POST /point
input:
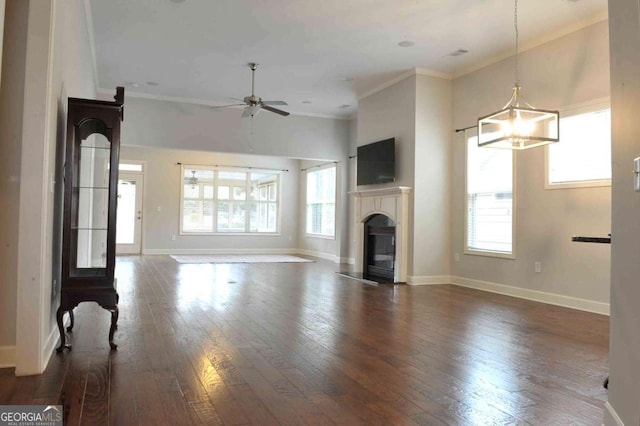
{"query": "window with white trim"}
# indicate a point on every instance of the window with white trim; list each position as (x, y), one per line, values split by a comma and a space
(321, 201)
(216, 200)
(489, 201)
(582, 157)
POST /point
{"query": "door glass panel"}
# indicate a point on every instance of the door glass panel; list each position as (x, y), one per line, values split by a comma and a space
(126, 215)
(92, 187)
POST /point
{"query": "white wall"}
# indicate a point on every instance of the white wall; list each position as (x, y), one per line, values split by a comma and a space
(11, 104)
(567, 71)
(162, 184)
(623, 406)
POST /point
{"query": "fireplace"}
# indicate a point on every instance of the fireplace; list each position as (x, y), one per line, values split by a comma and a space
(390, 236)
(379, 248)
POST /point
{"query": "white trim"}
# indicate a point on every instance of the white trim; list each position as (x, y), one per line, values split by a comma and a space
(595, 105)
(432, 73)
(386, 84)
(535, 295)
(206, 103)
(610, 414)
(321, 255)
(348, 260)
(514, 208)
(428, 279)
(409, 73)
(53, 339)
(548, 37)
(7, 356)
(381, 192)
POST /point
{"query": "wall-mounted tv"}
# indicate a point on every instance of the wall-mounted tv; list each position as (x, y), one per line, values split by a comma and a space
(376, 162)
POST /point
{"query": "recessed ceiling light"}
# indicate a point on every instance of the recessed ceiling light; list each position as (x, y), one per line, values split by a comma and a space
(347, 79)
(406, 43)
(132, 84)
(306, 102)
(152, 83)
(344, 106)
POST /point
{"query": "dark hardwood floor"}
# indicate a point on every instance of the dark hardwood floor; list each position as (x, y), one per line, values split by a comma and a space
(295, 343)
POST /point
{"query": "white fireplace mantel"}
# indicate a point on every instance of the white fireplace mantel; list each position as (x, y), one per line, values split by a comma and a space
(394, 203)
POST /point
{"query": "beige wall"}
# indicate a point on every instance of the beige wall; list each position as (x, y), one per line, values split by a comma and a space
(431, 185)
(623, 406)
(566, 71)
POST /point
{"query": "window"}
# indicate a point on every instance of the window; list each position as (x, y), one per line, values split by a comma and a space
(582, 157)
(321, 201)
(490, 221)
(228, 201)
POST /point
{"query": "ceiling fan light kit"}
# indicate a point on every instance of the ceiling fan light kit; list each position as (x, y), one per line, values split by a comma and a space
(253, 104)
(518, 127)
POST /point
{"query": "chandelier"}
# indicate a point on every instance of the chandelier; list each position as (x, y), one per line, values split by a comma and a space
(518, 125)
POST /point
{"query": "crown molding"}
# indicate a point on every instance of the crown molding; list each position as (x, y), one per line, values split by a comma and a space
(203, 102)
(409, 73)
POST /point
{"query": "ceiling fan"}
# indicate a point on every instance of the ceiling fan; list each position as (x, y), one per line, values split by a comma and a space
(253, 104)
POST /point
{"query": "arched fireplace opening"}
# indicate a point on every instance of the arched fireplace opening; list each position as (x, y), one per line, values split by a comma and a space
(379, 248)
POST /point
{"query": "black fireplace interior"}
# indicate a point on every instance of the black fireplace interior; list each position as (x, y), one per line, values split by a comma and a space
(379, 249)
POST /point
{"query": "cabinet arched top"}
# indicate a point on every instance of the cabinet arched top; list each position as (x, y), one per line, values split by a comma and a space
(89, 126)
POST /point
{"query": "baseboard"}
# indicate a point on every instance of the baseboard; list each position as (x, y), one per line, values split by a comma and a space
(7, 356)
(348, 260)
(611, 418)
(220, 251)
(535, 295)
(321, 255)
(428, 279)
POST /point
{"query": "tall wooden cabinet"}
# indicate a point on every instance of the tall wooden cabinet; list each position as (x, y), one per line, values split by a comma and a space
(90, 201)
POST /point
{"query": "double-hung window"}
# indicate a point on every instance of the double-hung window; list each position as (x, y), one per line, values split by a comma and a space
(489, 201)
(582, 157)
(216, 200)
(321, 201)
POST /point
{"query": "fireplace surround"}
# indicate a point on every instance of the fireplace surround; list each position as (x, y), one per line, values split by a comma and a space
(392, 202)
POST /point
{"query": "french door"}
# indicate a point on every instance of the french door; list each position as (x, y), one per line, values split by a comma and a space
(129, 213)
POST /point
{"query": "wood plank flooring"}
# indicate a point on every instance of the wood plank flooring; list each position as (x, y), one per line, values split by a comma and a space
(295, 343)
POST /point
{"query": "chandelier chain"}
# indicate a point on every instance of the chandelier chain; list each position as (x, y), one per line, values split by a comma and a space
(515, 24)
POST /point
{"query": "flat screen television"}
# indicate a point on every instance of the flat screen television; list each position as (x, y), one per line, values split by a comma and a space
(376, 162)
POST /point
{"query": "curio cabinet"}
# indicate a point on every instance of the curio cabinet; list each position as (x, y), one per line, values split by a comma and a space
(90, 201)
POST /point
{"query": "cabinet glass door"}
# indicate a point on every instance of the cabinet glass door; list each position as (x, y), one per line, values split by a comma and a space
(93, 202)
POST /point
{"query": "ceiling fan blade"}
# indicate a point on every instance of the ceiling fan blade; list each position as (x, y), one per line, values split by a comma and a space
(236, 99)
(274, 103)
(276, 110)
(225, 106)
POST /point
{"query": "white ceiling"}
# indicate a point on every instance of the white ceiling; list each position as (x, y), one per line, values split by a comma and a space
(328, 52)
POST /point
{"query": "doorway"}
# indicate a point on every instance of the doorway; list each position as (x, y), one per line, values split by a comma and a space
(129, 213)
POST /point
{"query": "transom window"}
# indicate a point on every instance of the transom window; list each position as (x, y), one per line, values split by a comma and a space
(228, 201)
(582, 157)
(321, 201)
(489, 201)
